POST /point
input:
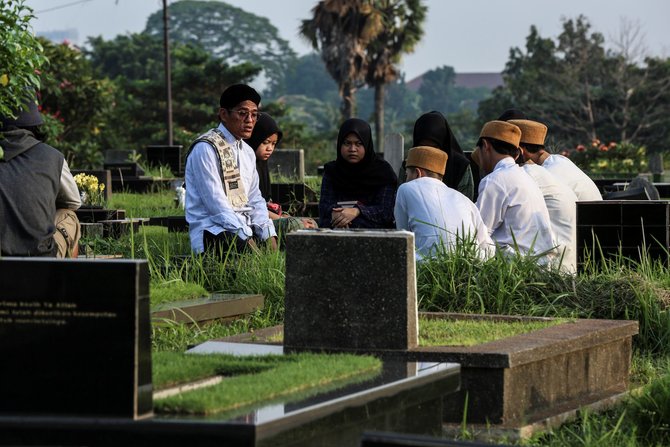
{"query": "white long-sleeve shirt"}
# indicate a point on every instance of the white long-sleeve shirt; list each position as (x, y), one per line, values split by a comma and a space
(208, 208)
(566, 171)
(561, 204)
(513, 209)
(439, 216)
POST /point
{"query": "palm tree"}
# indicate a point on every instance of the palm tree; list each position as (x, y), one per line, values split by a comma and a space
(402, 30)
(341, 30)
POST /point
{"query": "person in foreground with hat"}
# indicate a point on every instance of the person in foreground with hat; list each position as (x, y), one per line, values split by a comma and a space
(432, 129)
(563, 169)
(439, 216)
(510, 203)
(265, 137)
(559, 198)
(358, 188)
(38, 195)
(224, 206)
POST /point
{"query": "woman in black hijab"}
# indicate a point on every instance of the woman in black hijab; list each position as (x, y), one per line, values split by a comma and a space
(358, 188)
(265, 137)
(432, 129)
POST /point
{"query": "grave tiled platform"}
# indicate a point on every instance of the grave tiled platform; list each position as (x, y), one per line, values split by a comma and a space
(217, 307)
(406, 397)
(529, 382)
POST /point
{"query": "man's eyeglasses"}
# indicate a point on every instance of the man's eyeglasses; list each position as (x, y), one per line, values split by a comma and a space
(244, 113)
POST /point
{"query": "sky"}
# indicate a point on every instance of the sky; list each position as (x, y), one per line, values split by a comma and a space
(469, 35)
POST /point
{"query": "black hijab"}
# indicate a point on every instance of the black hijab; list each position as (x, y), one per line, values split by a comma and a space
(432, 129)
(366, 176)
(512, 114)
(265, 127)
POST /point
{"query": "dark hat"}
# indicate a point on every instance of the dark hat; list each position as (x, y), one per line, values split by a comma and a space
(29, 116)
(237, 93)
(512, 114)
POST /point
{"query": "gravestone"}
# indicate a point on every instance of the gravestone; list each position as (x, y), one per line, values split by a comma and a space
(75, 338)
(609, 227)
(656, 165)
(373, 271)
(288, 163)
(121, 155)
(164, 155)
(394, 150)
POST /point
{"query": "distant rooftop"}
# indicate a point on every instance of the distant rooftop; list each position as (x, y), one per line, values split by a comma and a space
(467, 80)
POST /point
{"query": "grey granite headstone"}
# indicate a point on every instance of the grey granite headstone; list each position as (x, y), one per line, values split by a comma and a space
(351, 290)
(394, 151)
(75, 338)
(288, 163)
(121, 155)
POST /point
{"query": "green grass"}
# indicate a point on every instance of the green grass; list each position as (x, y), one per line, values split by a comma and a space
(466, 332)
(294, 376)
(175, 290)
(154, 204)
(643, 419)
(448, 332)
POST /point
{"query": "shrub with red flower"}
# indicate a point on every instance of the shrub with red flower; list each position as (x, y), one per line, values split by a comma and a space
(599, 158)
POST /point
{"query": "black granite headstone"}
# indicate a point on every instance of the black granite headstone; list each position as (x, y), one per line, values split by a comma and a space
(75, 338)
(160, 155)
(352, 290)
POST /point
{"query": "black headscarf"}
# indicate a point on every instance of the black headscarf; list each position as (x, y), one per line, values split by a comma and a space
(432, 129)
(366, 176)
(265, 127)
(512, 114)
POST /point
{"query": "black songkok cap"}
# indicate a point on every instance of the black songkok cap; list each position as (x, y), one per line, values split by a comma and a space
(27, 117)
(237, 93)
(512, 114)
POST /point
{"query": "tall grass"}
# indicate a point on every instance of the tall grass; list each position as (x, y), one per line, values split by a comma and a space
(618, 288)
(154, 204)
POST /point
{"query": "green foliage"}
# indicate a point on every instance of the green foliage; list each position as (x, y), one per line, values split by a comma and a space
(436, 87)
(226, 33)
(135, 63)
(649, 411)
(306, 75)
(609, 158)
(21, 57)
(583, 92)
(72, 95)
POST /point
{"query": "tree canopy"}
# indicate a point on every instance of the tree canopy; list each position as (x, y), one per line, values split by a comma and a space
(21, 57)
(135, 63)
(227, 33)
(584, 92)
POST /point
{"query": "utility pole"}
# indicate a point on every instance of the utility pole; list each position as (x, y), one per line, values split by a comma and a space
(168, 75)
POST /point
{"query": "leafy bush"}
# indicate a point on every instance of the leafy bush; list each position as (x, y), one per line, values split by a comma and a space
(599, 157)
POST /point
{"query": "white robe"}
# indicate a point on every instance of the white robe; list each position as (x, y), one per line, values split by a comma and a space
(514, 211)
(560, 201)
(439, 216)
(566, 171)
